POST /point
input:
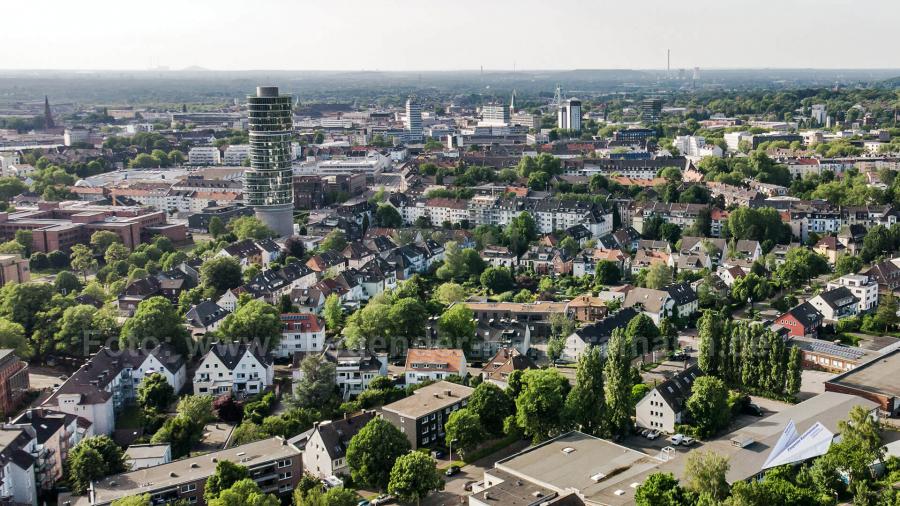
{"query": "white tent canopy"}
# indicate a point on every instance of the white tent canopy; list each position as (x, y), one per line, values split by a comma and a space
(793, 447)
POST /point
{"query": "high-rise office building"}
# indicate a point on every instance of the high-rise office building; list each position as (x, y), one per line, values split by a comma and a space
(651, 110)
(495, 115)
(413, 119)
(268, 185)
(569, 116)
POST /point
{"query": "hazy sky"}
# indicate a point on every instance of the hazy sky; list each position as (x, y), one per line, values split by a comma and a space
(447, 34)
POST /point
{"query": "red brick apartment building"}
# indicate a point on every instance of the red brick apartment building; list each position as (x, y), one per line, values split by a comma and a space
(59, 226)
(13, 381)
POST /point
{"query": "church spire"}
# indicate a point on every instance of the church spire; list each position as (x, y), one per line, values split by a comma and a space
(48, 116)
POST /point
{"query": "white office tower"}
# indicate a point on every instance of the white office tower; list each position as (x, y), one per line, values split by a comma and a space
(413, 119)
(268, 185)
(569, 117)
(495, 115)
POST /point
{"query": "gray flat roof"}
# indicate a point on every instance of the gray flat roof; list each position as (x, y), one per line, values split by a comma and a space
(879, 375)
(188, 470)
(429, 399)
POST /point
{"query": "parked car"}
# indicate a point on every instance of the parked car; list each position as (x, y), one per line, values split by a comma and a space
(687, 441)
(452, 470)
(753, 409)
(363, 503)
(653, 435)
(676, 439)
(645, 432)
(438, 454)
(382, 499)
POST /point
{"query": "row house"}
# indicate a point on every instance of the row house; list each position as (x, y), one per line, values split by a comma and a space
(683, 215)
(109, 380)
(249, 252)
(547, 260)
(235, 368)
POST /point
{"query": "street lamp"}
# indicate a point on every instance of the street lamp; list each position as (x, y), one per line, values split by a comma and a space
(451, 450)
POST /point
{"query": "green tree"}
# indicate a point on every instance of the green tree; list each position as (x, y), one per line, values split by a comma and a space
(413, 476)
(249, 227)
(25, 303)
(373, 451)
(227, 473)
(387, 216)
(334, 241)
(316, 386)
(333, 313)
(66, 283)
(216, 228)
(155, 320)
(491, 404)
(155, 393)
(660, 489)
(91, 459)
(101, 240)
(848, 264)
(116, 252)
(617, 383)
(196, 407)
(886, 313)
(12, 336)
(449, 293)
(709, 328)
(456, 326)
(640, 330)
(221, 273)
(794, 371)
(257, 322)
(708, 404)
(244, 493)
(705, 474)
(247, 432)
(408, 316)
(585, 402)
(540, 405)
(26, 239)
(497, 279)
(607, 273)
(133, 500)
(464, 428)
(182, 434)
(659, 276)
(81, 258)
(860, 444)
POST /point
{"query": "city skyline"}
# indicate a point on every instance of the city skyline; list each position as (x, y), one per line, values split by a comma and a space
(526, 35)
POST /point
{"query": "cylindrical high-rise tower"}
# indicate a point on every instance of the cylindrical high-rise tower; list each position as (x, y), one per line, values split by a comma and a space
(268, 185)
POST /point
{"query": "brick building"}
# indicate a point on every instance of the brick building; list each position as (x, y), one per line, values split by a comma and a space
(13, 381)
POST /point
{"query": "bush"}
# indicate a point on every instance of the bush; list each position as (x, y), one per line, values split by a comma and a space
(851, 324)
(39, 261)
(58, 259)
(227, 409)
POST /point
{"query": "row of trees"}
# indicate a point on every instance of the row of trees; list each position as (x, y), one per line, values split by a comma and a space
(748, 356)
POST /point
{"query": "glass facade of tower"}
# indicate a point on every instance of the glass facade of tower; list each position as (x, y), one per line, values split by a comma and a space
(269, 182)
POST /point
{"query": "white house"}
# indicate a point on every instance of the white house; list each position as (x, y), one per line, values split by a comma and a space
(303, 332)
(657, 304)
(233, 367)
(663, 407)
(110, 379)
(18, 446)
(863, 287)
(836, 303)
(325, 447)
(433, 364)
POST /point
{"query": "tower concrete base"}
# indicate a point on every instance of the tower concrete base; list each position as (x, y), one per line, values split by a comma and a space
(279, 219)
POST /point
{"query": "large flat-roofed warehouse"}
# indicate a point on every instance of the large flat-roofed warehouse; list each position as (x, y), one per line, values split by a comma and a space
(877, 380)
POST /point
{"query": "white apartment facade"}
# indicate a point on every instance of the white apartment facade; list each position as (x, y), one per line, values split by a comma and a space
(204, 155)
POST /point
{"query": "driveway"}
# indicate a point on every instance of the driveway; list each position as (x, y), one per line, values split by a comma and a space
(454, 492)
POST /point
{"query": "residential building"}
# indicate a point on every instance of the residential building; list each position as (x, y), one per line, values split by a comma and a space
(413, 119)
(862, 287)
(536, 314)
(498, 368)
(803, 320)
(204, 155)
(233, 367)
(836, 303)
(325, 448)
(686, 302)
(886, 274)
(274, 464)
(354, 369)
(422, 415)
(18, 447)
(268, 185)
(109, 380)
(205, 317)
(587, 308)
(14, 383)
(663, 407)
(55, 433)
(235, 154)
(148, 455)
(657, 304)
(433, 364)
(596, 334)
(301, 332)
(651, 110)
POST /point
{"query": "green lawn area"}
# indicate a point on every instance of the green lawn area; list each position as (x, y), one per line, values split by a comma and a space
(129, 418)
